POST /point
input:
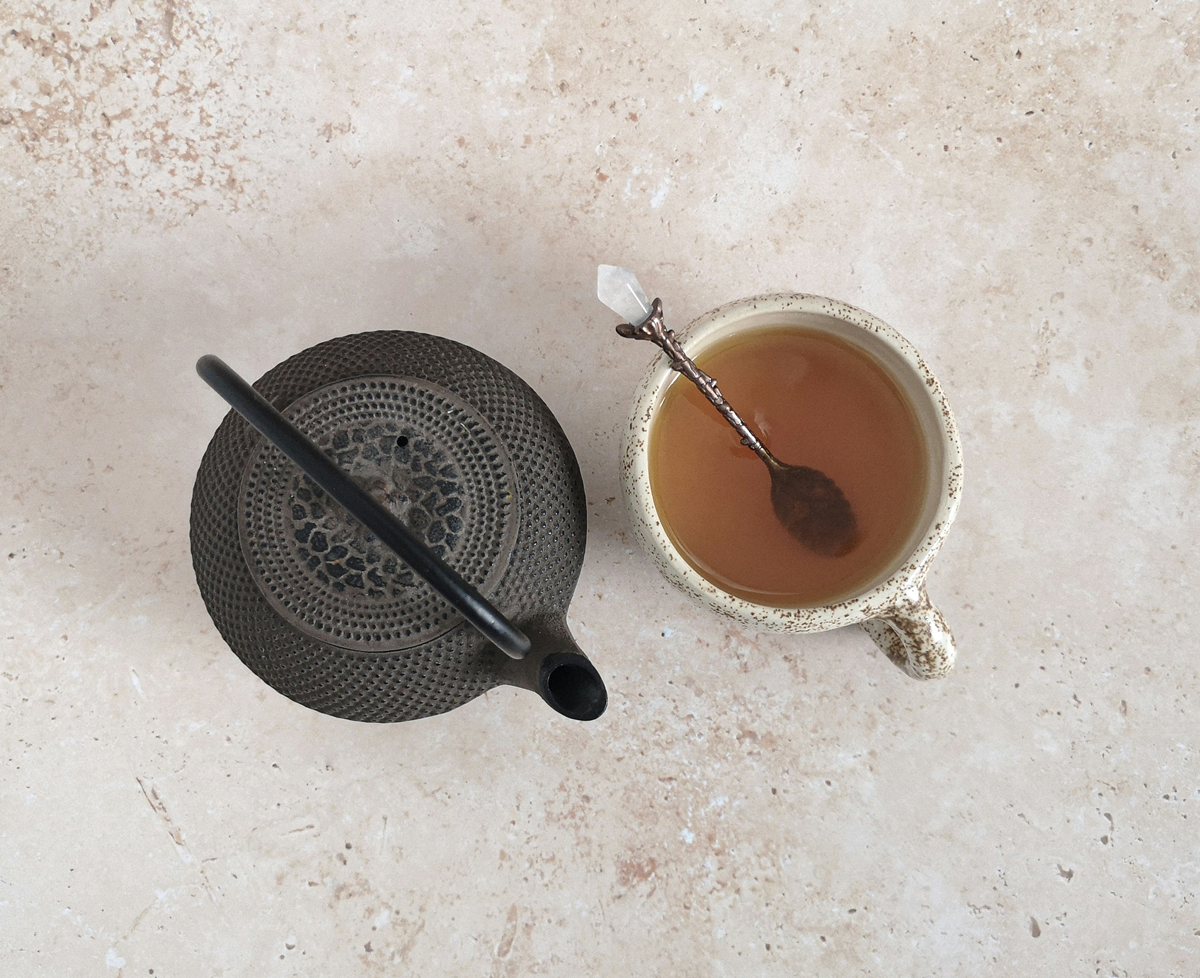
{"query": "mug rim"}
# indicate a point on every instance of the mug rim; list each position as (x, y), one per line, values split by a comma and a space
(872, 603)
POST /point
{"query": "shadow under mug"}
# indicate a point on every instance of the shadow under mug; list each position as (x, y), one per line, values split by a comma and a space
(893, 608)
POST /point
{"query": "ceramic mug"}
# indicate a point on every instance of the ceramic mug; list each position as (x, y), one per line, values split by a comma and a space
(893, 608)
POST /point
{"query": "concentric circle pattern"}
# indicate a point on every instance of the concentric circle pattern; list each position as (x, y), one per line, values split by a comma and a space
(424, 453)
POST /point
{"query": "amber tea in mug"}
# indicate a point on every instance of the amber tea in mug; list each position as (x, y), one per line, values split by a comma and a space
(817, 400)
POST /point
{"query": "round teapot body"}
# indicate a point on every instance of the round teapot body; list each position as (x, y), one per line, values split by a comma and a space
(459, 448)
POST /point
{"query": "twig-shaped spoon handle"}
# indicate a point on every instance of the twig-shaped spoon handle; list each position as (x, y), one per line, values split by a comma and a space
(652, 329)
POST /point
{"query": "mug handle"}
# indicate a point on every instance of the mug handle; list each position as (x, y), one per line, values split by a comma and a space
(914, 635)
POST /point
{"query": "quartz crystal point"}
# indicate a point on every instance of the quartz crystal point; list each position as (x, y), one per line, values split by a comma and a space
(618, 289)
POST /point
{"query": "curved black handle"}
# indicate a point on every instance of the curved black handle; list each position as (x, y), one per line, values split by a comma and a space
(285, 436)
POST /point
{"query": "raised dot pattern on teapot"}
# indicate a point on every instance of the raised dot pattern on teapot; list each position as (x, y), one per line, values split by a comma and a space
(519, 451)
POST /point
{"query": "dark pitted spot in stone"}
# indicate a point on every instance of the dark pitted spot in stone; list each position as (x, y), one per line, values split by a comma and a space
(341, 440)
(336, 553)
(318, 542)
(299, 512)
(304, 531)
(354, 580)
(356, 563)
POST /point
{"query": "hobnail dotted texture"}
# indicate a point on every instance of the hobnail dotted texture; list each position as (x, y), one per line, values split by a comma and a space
(431, 459)
(448, 669)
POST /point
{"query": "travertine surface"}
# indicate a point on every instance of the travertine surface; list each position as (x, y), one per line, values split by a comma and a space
(1014, 186)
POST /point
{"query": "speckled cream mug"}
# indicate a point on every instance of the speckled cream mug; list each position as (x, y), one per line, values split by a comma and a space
(892, 608)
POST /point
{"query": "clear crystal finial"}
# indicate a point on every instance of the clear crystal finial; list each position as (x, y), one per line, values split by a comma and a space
(618, 289)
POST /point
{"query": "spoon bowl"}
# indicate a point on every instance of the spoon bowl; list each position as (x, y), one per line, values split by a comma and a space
(813, 509)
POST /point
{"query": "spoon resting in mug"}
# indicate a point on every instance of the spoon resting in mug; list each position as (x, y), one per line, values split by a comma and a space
(809, 504)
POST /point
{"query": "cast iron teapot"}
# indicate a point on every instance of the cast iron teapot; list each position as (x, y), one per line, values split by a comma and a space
(454, 573)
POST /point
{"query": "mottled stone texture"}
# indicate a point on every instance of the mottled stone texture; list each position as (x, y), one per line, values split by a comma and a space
(1014, 186)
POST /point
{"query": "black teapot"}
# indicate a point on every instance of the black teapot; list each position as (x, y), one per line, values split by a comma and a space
(467, 535)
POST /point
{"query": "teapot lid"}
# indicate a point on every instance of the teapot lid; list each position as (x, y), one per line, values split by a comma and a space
(432, 459)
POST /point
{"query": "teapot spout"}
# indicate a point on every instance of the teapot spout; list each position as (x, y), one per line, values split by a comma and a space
(558, 671)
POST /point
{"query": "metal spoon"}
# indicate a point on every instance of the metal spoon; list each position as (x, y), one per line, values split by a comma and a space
(806, 501)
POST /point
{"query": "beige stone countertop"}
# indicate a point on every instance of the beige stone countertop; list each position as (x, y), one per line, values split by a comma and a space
(1014, 186)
